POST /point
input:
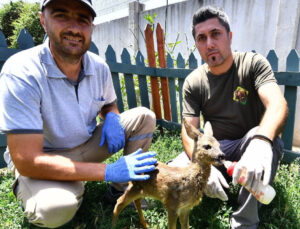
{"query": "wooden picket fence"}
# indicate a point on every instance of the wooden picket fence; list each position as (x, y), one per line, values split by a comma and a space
(139, 85)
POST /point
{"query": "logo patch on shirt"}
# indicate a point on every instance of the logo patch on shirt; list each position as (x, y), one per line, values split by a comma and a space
(240, 95)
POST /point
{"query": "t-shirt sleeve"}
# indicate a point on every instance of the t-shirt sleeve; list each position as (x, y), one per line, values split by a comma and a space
(191, 101)
(20, 106)
(262, 71)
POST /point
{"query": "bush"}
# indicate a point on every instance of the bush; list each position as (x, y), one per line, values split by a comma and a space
(30, 20)
(18, 15)
(8, 14)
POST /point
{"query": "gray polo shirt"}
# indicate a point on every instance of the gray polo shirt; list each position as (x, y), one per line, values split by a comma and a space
(36, 97)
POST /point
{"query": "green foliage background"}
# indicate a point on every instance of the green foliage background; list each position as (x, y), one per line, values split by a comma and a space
(15, 16)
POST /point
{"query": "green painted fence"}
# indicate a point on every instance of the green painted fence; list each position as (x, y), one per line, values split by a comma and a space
(132, 84)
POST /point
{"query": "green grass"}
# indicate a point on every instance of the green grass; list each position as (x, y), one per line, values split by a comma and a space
(282, 213)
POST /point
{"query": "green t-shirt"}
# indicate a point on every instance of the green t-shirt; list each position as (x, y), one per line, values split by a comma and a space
(229, 101)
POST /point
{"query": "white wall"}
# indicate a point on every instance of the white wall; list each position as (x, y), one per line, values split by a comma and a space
(258, 25)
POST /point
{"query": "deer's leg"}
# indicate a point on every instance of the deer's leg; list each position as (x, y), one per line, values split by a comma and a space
(172, 219)
(130, 195)
(184, 219)
(138, 206)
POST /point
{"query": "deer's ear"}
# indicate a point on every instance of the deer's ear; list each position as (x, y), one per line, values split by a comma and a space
(208, 129)
(191, 131)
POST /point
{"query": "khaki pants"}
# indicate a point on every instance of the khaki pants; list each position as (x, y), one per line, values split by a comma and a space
(54, 203)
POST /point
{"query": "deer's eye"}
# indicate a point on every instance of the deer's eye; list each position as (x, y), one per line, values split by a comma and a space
(207, 147)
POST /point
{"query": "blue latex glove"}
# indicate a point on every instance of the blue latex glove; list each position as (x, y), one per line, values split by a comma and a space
(130, 167)
(113, 133)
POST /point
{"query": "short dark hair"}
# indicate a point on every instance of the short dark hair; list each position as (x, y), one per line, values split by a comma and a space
(208, 12)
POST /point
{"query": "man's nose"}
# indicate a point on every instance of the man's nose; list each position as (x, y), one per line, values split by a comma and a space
(210, 43)
(74, 25)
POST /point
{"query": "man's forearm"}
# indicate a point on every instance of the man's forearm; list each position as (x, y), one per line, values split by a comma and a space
(273, 121)
(188, 143)
(55, 167)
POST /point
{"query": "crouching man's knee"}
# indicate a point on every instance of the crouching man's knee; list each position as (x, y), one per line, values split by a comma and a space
(49, 203)
(52, 213)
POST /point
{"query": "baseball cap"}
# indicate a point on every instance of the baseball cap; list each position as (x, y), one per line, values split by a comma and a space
(88, 3)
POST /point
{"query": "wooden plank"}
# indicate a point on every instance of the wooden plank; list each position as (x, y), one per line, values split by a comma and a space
(288, 78)
(5, 53)
(290, 156)
(3, 42)
(172, 91)
(180, 64)
(152, 63)
(284, 78)
(110, 56)
(162, 63)
(3, 144)
(25, 40)
(290, 93)
(129, 83)
(273, 60)
(168, 125)
(94, 48)
(142, 81)
(149, 71)
(193, 64)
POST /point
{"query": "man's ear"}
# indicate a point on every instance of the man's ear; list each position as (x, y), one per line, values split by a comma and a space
(230, 36)
(42, 20)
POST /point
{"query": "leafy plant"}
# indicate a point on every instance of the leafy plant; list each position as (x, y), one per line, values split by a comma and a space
(150, 19)
(8, 14)
(29, 19)
(15, 16)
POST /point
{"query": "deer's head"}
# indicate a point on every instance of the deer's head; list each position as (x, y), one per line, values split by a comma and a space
(206, 147)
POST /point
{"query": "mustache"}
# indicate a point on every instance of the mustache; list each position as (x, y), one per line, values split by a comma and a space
(211, 51)
(72, 34)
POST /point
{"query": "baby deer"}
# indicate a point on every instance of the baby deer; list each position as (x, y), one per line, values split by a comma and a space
(179, 189)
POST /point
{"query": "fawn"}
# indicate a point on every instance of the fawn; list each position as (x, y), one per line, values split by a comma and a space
(179, 189)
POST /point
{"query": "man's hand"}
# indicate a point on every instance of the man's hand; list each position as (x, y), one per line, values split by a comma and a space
(131, 167)
(214, 185)
(113, 133)
(256, 160)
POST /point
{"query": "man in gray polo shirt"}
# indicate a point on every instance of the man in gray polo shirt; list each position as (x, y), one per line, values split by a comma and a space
(50, 96)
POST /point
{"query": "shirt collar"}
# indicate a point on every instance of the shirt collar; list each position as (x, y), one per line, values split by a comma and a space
(52, 70)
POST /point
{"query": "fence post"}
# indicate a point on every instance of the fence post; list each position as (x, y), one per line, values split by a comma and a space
(25, 40)
(180, 64)
(152, 63)
(3, 143)
(3, 48)
(129, 83)
(139, 60)
(273, 60)
(162, 63)
(3, 43)
(290, 93)
(110, 56)
(172, 90)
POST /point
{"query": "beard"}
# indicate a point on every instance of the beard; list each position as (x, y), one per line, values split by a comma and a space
(68, 50)
(215, 60)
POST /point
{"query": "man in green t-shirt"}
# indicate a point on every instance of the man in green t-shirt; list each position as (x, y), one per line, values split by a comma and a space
(238, 93)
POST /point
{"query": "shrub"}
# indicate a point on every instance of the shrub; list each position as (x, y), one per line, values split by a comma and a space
(15, 16)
